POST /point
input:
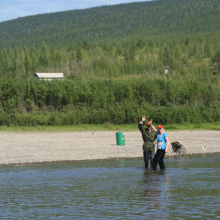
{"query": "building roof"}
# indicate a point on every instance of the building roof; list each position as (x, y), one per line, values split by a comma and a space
(49, 75)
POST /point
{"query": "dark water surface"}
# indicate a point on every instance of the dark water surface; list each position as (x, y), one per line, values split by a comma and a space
(118, 189)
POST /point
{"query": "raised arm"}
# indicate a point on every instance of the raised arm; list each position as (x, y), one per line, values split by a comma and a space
(151, 121)
(140, 124)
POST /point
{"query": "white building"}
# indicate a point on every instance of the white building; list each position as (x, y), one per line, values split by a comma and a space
(49, 76)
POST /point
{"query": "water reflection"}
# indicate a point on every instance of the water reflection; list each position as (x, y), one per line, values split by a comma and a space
(156, 193)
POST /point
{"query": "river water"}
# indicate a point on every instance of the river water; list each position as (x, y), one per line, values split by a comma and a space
(118, 189)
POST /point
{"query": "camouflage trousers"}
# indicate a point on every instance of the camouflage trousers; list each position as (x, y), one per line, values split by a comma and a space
(148, 154)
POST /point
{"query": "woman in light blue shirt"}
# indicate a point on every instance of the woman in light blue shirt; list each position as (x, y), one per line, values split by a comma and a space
(162, 148)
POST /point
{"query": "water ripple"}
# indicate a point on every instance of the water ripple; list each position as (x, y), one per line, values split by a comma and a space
(118, 189)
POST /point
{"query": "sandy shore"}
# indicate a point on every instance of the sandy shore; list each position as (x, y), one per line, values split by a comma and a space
(37, 147)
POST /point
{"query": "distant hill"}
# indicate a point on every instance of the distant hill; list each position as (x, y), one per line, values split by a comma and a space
(145, 19)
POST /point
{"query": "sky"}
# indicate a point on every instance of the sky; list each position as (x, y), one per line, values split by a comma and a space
(12, 9)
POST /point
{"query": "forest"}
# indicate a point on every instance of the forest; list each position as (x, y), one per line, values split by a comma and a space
(160, 59)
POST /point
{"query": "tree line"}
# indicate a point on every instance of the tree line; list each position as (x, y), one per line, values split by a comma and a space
(30, 102)
(196, 57)
(123, 66)
(112, 83)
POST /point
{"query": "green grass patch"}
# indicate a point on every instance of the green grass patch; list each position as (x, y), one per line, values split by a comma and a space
(108, 127)
(199, 126)
(71, 128)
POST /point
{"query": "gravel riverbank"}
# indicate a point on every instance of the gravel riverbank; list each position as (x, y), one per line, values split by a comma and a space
(38, 147)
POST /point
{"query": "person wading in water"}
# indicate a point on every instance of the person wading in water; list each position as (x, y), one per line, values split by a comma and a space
(149, 136)
(162, 147)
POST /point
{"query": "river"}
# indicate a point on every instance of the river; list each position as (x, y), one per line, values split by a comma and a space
(118, 189)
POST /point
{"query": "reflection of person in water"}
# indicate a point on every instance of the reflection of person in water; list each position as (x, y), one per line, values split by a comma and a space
(156, 194)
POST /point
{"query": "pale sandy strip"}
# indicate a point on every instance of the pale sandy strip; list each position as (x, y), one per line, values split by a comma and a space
(36, 147)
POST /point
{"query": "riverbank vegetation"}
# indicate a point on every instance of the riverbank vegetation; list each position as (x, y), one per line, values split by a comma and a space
(100, 100)
(107, 127)
(166, 66)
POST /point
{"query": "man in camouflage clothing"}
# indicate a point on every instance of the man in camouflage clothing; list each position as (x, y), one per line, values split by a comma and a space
(149, 136)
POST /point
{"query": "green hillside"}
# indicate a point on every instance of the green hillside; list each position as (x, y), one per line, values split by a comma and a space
(160, 59)
(144, 19)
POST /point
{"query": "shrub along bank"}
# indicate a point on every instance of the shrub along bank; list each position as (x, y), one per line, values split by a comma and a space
(31, 102)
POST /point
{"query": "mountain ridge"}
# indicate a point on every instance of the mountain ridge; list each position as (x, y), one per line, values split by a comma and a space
(120, 21)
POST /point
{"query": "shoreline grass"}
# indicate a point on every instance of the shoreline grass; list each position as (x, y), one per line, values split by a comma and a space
(108, 127)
